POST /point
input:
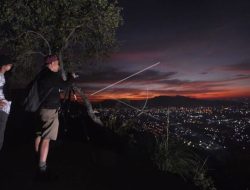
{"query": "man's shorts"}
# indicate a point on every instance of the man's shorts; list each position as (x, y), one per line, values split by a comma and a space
(48, 124)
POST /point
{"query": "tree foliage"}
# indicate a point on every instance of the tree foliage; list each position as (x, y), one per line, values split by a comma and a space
(33, 28)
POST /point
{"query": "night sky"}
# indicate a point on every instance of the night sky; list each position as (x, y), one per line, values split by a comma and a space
(203, 47)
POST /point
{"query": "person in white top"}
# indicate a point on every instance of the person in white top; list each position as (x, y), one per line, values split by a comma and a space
(5, 66)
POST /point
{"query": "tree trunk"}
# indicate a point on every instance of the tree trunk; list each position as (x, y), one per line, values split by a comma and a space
(64, 76)
(88, 106)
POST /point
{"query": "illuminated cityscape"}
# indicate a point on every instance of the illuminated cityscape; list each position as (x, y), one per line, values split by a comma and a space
(209, 128)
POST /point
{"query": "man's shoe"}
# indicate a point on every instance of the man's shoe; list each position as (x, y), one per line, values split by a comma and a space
(46, 176)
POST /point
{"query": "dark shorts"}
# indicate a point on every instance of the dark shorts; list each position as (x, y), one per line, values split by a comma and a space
(48, 124)
(3, 121)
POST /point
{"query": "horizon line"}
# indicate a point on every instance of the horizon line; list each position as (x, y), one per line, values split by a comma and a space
(191, 97)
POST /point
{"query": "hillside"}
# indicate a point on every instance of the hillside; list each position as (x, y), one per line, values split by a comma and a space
(102, 162)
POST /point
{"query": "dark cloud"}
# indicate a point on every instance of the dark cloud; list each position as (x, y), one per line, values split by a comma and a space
(205, 85)
(243, 66)
(204, 73)
(193, 84)
(111, 75)
(153, 79)
(242, 76)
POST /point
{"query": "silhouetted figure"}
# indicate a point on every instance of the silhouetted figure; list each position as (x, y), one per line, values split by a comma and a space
(5, 66)
(48, 83)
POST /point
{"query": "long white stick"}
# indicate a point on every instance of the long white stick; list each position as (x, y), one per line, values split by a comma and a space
(125, 79)
(141, 110)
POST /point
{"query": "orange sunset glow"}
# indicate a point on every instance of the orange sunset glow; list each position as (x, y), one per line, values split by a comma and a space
(229, 94)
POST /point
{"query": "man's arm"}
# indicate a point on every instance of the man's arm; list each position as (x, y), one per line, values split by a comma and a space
(2, 104)
(65, 84)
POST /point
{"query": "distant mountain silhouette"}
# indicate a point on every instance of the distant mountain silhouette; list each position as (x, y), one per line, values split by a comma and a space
(164, 101)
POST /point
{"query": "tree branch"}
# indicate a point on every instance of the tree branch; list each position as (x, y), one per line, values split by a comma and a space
(88, 106)
(30, 31)
(64, 47)
(34, 52)
(69, 36)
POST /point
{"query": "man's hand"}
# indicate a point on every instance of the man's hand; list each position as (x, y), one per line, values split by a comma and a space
(71, 75)
(74, 75)
(2, 104)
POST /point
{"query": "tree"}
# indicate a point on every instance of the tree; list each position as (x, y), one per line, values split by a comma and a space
(39, 27)
(31, 29)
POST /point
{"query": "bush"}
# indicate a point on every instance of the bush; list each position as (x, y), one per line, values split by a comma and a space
(174, 157)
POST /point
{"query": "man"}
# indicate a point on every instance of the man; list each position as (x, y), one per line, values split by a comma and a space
(49, 82)
(5, 66)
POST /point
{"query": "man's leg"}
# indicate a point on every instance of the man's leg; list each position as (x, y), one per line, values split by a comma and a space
(3, 122)
(42, 148)
(49, 118)
(37, 143)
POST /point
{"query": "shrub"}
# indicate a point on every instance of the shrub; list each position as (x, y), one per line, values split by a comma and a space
(174, 157)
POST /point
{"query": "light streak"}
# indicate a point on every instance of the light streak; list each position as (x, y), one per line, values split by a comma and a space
(111, 85)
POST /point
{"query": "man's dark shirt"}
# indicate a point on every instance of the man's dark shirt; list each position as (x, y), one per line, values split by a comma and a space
(49, 83)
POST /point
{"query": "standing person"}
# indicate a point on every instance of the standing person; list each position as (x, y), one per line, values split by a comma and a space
(5, 66)
(49, 82)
